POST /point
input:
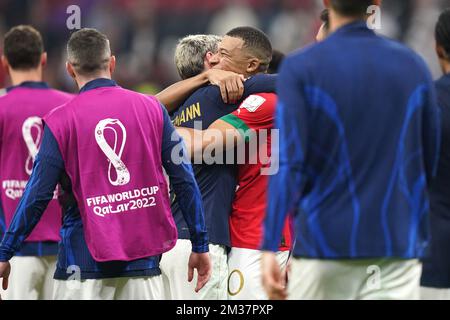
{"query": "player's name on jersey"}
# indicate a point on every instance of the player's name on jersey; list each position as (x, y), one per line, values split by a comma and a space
(190, 113)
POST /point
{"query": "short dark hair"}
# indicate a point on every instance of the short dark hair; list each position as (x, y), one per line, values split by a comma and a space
(351, 8)
(257, 42)
(325, 18)
(277, 59)
(442, 31)
(23, 47)
(88, 51)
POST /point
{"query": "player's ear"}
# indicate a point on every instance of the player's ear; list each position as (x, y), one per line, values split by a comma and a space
(5, 64)
(112, 64)
(44, 59)
(208, 62)
(441, 52)
(70, 70)
(253, 65)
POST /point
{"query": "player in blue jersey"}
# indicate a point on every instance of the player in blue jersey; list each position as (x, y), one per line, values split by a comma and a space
(192, 57)
(359, 137)
(217, 182)
(436, 264)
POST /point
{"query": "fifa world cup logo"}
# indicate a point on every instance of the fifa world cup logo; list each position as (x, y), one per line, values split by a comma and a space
(113, 153)
(31, 143)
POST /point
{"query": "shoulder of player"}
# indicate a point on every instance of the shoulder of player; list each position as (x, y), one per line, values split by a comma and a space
(59, 111)
(61, 97)
(207, 96)
(151, 99)
(260, 99)
(3, 101)
(6, 100)
(64, 94)
(261, 78)
(3, 96)
(258, 104)
(401, 53)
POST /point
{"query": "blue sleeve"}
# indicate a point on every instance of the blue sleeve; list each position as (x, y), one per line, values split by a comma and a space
(184, 185)
(286, 186)
(47, 170)
(432, 130)
(260, 83)
(2, 222)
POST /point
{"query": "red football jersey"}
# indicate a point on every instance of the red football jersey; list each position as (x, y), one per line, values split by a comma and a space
(255, 120)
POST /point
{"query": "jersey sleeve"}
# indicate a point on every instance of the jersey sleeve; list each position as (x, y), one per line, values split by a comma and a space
(255, 113)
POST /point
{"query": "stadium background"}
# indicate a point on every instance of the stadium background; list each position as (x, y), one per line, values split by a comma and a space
(144, 33)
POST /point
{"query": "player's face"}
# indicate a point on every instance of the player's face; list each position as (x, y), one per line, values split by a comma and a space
(231, 55)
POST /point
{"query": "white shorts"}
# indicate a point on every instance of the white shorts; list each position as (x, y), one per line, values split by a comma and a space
(427, 293)
(139, 288)
(373, 279)
(244, 279)
(174, 269)
(31, 278)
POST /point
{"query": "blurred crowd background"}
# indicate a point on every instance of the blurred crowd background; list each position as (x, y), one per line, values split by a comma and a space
(144, 33)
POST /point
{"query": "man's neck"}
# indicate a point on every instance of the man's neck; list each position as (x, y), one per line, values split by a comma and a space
(81, 81)
(18, 77)
(337, 21)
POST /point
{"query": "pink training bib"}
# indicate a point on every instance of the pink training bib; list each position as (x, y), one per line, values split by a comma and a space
(110, 139)
(21, 132)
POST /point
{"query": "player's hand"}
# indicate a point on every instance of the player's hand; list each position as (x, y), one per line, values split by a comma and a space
(272, 278)
(5, 269)
(201, 262)
(231, 84)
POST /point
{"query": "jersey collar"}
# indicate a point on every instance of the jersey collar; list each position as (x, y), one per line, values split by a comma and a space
(359, 26)
(98, 83)
(30, 84)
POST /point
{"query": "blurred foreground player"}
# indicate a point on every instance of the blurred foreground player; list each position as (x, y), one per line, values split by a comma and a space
(436, 264)
(108, 146)
(21, 110)
(359, 136)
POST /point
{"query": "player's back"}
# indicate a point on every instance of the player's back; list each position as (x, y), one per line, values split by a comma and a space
(367, 150)
(21, 110)
(113, 136)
